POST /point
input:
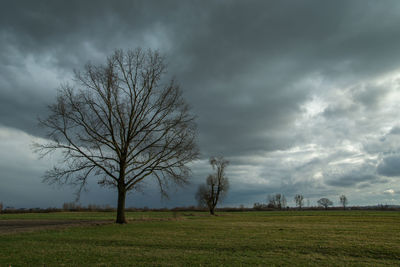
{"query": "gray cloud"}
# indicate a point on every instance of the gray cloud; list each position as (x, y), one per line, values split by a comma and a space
(395, 130)
(390, 166)
(288, 91)
(353, 179)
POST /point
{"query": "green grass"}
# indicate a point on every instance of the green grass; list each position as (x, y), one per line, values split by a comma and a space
(332, 238)
(83, 215)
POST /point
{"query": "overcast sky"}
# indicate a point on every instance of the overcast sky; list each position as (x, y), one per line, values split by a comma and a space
(302, 97)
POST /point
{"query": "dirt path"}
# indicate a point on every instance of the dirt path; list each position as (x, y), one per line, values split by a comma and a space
(17, 226)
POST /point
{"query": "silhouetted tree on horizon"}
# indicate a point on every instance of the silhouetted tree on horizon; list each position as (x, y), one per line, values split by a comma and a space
(343, 201)
(123, 123)
(216, 186)
(299, 199)
(277, 201)
(325, 202)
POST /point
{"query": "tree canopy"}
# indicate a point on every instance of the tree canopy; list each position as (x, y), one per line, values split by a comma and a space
(121, 122)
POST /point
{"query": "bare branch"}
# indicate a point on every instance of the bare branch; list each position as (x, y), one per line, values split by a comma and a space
(122, 123)
(216, 185)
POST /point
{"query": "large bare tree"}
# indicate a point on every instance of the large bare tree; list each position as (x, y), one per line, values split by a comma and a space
(216, 185)
(123, 123)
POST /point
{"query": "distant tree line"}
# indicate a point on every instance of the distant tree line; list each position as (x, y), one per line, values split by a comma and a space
(278, 202)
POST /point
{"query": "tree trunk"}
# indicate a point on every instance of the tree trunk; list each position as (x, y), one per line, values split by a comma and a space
(121, 206)
(212, 211)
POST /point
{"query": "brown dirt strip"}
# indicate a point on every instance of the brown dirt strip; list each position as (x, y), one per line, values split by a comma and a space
(18, 226)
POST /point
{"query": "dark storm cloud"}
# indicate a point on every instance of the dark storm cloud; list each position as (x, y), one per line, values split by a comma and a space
(247, 64)
(247, 68)
(352, 179)
(395, 130)
(390, 166)
(242, 61)
(60, 36)
(51, 26)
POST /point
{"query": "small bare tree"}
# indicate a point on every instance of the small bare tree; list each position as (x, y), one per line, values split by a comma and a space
(216, 185)
(343, 201)
(122, 123)
(277, 201)
(325, 202)
(1, 207)
(299, 199)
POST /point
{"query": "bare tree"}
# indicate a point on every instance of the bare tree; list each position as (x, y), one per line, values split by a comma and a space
(343, 201)
(216, 185)
(299, 199)
(1, 207)
(324, 202)
(123, 123)
(277, 201)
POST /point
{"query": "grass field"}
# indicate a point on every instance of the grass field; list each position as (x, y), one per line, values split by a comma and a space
(315, 238)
